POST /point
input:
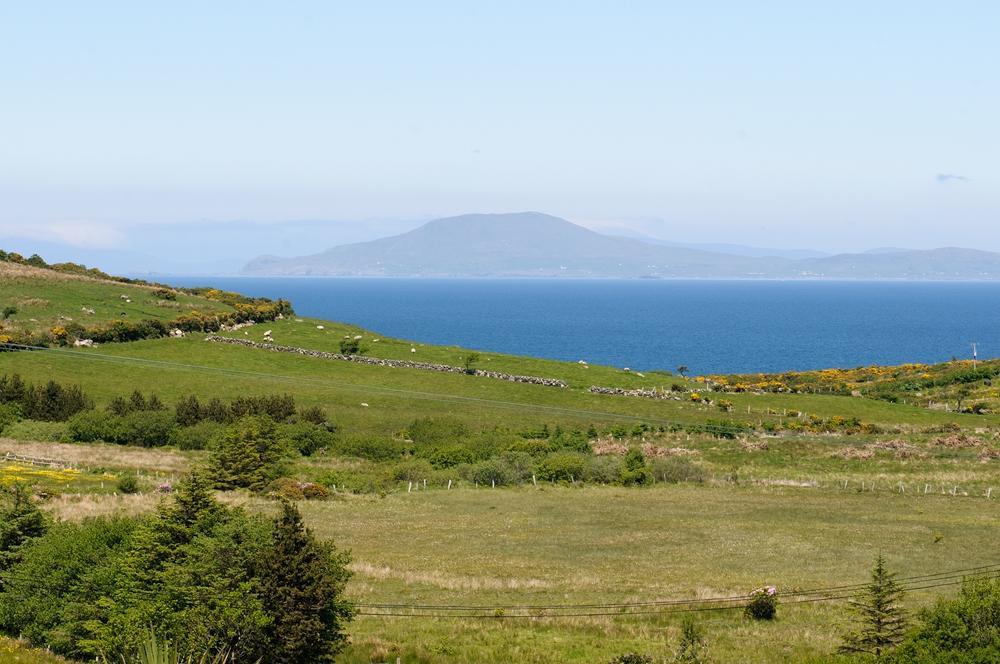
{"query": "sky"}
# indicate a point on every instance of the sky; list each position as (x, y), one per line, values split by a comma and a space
(839, 126)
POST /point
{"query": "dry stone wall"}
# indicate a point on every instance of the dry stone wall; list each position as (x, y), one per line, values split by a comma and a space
(383, 362)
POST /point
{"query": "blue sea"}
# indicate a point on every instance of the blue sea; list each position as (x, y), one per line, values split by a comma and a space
(710, 326)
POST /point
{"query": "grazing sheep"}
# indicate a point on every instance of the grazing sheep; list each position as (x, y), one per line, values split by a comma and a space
(320, 327)
(364, 404)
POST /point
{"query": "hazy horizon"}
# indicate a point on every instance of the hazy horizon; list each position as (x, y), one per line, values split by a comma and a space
(838, 129)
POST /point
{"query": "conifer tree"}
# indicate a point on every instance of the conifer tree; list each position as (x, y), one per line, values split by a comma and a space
(882, 621)
(20, 521)
(302, 584)
(249, 454)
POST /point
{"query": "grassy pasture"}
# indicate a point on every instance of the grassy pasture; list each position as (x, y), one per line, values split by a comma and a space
(396, 396)
(46, 298)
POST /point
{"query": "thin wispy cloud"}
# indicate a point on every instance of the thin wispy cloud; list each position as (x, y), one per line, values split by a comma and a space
(951, 177)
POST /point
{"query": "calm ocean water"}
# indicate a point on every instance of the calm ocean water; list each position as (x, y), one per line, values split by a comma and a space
(711, 326)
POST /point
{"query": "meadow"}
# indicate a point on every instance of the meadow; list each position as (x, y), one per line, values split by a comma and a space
(791, 496)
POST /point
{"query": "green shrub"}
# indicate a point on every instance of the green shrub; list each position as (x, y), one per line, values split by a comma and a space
(436, 430)
(634, 469)
(675, 469)
(631, 658)
(534, 447)
(46, 432)
(308, 438)
(351, 346)
(412, 470)
(60, 574)
(763, 604)
(9, 414)
(128, 484)
(373, 449)
(451, 455)
(490, 472)
(963, 630)
(196, 437)
(144, 428)
(602, 470)
(562, 467)
(313, 414)
(89, 426)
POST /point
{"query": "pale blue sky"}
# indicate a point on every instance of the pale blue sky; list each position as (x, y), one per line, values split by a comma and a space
(821, 124)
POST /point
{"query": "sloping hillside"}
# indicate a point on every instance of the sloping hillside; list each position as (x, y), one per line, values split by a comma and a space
(61, 304)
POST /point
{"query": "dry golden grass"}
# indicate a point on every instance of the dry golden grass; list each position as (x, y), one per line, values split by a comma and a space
(104, 456)
(18, 271)
(445, 580)
(74, 507)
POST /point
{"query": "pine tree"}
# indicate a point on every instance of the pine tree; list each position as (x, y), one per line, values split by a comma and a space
(249, 454)
(302, 584)
(881, 617)
(20, 522)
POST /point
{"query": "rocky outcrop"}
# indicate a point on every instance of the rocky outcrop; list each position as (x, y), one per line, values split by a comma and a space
(383, 362)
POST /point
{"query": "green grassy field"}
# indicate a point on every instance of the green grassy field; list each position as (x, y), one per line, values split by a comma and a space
(797, 510)
(45, 299)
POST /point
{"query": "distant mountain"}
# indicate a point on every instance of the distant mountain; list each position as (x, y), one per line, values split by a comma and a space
(716, 247)
(519, 244)
(944, 264)
(531, 244)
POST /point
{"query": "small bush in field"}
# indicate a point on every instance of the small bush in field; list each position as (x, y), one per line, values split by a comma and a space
(562, 466)
(313, 491)
(128, 484)
(634, 470)
(197, 437)
(451, 455)
(675, 469)
(286, 488)
(436, 430)
(763, 604)
(631, 658)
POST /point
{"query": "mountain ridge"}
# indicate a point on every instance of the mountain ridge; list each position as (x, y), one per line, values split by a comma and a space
(533, 244)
